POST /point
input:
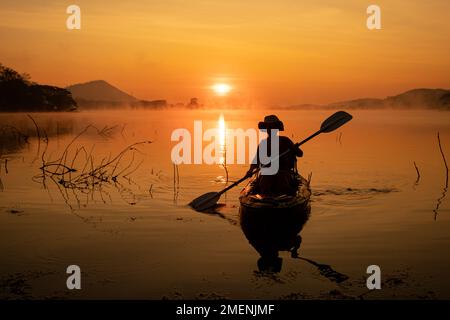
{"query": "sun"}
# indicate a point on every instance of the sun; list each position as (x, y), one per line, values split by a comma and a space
(221, 89)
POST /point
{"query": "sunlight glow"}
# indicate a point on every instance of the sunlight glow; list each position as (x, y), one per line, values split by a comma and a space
(221, 89)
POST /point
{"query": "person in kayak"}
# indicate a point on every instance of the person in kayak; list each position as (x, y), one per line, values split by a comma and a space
(283, 182)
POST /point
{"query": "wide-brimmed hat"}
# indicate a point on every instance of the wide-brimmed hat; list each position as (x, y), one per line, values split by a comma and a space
(271, 122)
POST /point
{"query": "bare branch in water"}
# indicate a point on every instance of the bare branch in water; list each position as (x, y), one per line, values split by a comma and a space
(418, 174)
(71, 173)
(136, 168)
(176, 183)
(38, 137)
(150, 190)
(439, 202)
(2, 187)
(226, 172)
(444, 191)
(123, 131)
(445, 161)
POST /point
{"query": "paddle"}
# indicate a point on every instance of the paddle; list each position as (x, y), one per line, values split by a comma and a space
(210, 199)
(332, 123)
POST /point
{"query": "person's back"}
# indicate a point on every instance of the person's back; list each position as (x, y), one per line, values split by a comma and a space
(288, 161)
(283, 182)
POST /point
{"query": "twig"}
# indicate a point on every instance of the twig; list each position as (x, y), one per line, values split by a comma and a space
(134, 170)
(123, 130)
(444, 191)
(226, 172)
(150, 189)
(439, 202)
(46, 146)
(445, 161)
(174, 178)
(418, 173)
(39, 139)
(91, 176)
(129, 148)
(175, 185)
(127, 167)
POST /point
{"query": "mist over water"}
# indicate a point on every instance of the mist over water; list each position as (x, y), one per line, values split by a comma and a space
(135, 237)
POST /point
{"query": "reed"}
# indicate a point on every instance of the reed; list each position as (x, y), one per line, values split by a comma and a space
(2, 187)
(38, 135)
(176, 183)
(418, 173)
(77, 172)
(445, 189)
(443, 158)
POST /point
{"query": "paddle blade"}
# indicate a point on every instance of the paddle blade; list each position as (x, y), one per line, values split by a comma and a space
(335, 121)
(206, 201)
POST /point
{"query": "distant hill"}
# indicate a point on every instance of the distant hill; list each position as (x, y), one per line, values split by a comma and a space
(438, 99)
(357, 104)
(417, 98)
(99, 91)
(101, 94)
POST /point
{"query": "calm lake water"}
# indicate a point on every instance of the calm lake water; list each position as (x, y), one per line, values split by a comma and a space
(136, 238)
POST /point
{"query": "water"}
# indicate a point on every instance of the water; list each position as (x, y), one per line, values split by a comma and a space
(136, 238)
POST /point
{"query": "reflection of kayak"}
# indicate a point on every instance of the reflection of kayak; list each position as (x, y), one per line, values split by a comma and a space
(273, 224)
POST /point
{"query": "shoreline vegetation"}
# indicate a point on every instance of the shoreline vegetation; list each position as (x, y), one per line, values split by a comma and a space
(19, 94)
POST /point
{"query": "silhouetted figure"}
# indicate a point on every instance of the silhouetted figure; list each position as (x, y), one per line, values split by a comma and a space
(284, 181)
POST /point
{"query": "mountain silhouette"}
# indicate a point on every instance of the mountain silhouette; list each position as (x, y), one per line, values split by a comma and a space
(416, 98)
(100, 91)
(438, 99)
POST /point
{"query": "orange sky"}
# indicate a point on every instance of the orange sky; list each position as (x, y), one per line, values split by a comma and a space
(273, 52)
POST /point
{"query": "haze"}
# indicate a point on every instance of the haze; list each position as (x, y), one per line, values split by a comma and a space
(283, 52)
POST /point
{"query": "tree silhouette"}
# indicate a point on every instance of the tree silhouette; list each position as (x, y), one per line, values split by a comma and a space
(19, 93)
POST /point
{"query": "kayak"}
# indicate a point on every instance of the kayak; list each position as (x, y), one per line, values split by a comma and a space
(273, 223)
